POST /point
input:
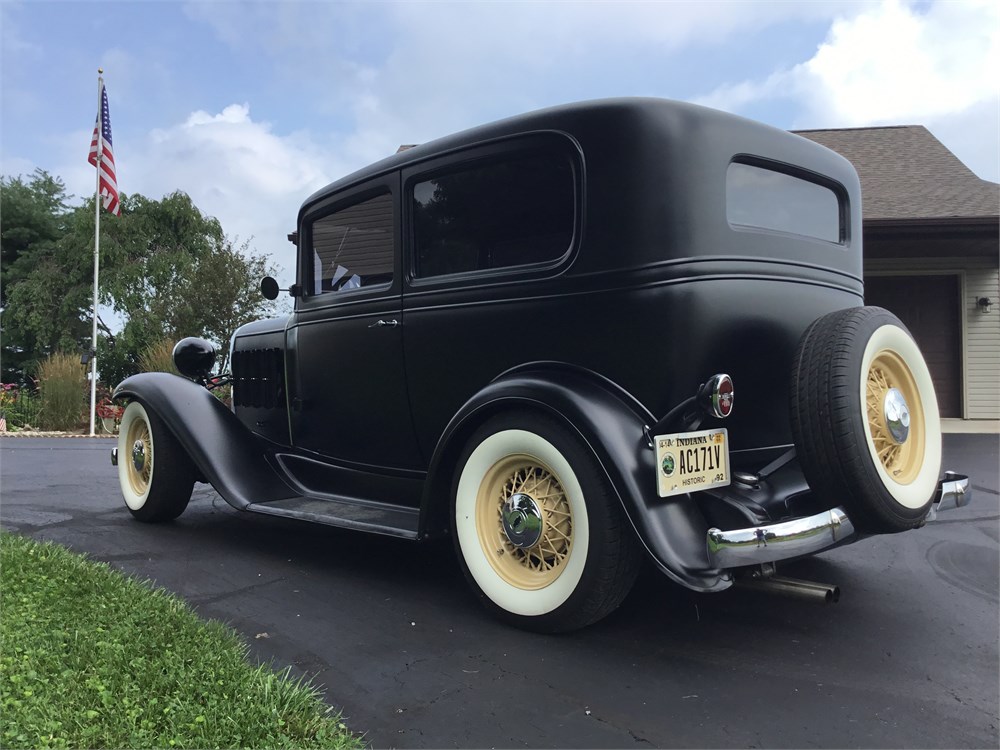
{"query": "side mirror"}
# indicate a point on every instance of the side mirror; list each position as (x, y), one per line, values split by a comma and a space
(194, 358)
(269, 288)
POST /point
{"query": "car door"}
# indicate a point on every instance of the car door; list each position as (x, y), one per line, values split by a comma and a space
(347, 383)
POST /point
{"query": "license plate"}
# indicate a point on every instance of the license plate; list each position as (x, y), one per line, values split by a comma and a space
(692, 461)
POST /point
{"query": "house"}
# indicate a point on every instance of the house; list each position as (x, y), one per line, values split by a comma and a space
(932, 252)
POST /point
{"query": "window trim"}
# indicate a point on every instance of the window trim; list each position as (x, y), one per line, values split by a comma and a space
(464, 158)
(806, 175)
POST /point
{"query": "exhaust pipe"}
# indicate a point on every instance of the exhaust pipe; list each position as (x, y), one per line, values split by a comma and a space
(823, 593)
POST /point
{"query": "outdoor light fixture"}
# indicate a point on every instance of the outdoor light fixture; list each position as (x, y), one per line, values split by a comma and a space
(87, 356)
(985, 304)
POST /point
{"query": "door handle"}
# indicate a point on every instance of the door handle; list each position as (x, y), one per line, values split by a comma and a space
(385, 323)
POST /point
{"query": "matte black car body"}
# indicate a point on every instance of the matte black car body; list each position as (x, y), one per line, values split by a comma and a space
(354, 409)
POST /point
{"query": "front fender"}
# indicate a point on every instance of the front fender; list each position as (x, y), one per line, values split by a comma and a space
(612, 424)
(226, 453)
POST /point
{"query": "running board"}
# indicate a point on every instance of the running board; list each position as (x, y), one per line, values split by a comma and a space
(361, 515)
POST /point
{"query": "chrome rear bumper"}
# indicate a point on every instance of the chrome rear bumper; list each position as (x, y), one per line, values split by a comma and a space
(805, 536)
(954, 491)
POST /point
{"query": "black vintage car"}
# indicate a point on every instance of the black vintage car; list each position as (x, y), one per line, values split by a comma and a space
(529, 336)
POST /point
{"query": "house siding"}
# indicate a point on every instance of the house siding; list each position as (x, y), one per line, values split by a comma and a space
(981, 350)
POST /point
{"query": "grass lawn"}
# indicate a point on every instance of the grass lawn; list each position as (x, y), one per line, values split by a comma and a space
(90, 658)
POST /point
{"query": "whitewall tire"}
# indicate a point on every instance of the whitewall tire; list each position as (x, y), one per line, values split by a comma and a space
(541, 537)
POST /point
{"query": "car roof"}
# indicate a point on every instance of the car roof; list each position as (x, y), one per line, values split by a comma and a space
(565, 118)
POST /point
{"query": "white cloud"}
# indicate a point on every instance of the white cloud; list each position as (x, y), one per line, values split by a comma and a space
(16, 166)
(408, 72)
(894, 64)
(250, 178)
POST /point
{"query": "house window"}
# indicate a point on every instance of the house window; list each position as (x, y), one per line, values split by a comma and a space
(515, 211)
(353, 247)
(761, 198)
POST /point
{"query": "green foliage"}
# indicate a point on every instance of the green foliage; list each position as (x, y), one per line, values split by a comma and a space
(233, 269)
(33, 214)
(167, 270)
(118, 356)
(90, 658)
(33, 218)
(159, 357)
(63, 387)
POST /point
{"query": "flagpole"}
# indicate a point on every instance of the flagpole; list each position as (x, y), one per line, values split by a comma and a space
(97, 248)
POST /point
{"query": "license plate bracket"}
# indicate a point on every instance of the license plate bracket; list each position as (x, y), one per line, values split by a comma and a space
(692, 461)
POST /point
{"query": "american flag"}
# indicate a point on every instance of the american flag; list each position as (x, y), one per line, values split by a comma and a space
(109, 182)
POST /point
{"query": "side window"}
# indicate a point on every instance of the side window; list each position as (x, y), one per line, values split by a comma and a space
(353, 247)
(514, 211)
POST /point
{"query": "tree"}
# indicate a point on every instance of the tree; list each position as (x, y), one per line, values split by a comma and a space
(167, 270)
(33, 218)
(225, 287)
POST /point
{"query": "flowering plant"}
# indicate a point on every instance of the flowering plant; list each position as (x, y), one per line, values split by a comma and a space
(8, 394)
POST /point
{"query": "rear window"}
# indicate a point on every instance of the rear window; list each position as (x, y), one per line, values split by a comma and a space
(514, 211)
(762, 198)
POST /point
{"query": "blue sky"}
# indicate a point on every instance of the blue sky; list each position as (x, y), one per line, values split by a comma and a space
(250, 107)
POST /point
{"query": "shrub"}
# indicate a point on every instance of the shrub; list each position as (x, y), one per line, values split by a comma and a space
(159, 357)
(63, 386)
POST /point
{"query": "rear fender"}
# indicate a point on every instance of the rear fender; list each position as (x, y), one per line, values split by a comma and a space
(612, 424)
(225, 452)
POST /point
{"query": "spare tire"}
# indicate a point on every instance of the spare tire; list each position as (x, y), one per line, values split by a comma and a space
(865, 419)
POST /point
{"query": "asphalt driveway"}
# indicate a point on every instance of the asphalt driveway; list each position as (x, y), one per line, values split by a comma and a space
(908, 658)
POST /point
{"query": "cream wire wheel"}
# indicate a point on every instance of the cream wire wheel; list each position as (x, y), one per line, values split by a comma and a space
(139, 459)
(899, 447)
(154, 472)
(908, 468)
(536, 558)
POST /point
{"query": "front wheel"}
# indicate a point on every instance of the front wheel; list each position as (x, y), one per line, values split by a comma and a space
(541, 536)
(865, 418)
(155, 474)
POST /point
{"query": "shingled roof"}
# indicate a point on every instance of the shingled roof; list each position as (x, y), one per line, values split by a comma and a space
(907, 173)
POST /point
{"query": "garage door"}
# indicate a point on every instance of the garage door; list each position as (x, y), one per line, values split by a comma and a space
(929, 307)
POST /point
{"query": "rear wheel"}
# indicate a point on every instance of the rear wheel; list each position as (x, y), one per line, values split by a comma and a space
(541, 536)
(155, 474)
(865, 418)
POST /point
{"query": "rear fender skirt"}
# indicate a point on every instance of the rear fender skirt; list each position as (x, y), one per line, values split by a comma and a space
(611, 423)
(226, 453)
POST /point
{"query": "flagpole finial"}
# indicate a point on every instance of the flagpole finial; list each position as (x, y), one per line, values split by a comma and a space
(100, 71)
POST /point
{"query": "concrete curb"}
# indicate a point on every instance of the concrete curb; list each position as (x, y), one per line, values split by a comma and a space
(39, 434)
(970, 426)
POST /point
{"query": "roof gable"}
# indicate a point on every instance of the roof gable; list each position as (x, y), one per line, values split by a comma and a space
(907, 173)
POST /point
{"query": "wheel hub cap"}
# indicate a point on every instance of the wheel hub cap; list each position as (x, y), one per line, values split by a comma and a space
(139, 455)
(897, 415)
(522, 521)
